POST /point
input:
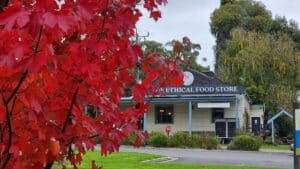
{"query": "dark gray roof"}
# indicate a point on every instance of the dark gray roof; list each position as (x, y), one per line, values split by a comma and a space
(206, 79)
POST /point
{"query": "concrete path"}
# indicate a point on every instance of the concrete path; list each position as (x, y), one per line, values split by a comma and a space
(240, 158)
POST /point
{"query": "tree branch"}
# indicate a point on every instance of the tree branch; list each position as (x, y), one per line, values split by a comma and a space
(104, 20)
(24, 75)
(70, 111)
(10, 131)
(49, 165)
(8, 100)
(6, 3)
(39, 40)
(93, 136)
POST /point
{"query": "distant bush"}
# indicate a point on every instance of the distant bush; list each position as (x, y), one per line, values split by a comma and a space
(130, 140)
(158, 139)
(211, 142)
(179, 139)
(195, 141)
(246, 142)
(182, 140)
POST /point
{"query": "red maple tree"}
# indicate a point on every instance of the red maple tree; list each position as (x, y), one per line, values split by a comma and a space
(58, 56)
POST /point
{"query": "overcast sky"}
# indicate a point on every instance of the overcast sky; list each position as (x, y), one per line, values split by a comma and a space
(191, 18)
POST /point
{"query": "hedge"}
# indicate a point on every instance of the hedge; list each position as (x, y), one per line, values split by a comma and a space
(158, 139)
(183, 140)
(246, 142)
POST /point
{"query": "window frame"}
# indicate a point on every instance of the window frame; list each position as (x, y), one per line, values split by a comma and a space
(156, 113)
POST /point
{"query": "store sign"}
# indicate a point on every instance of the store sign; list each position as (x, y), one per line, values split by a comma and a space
(297, 132)
(188, 78)
(213, 105)
(201, 90)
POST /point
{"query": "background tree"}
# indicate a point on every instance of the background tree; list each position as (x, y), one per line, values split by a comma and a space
(253, 17)
(56, 57)
(250, 16)
(258, 52)
(266, 66)
(224, 2)
(189, 51)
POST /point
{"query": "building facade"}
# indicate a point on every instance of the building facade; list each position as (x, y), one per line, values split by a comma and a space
(203, 104)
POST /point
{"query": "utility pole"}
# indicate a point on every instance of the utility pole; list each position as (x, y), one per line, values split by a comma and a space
(138, 64)
(138, 67)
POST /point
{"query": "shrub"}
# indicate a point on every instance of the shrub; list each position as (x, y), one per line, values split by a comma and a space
(179, 139)
(158, 139)
(195, 141)
(183, 140)
(246, 142)
(130, 140)
(211, 142)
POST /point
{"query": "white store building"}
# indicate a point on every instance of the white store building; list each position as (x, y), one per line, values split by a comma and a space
(204, 104)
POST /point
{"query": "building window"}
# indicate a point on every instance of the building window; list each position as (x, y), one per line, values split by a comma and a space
(217, 114)
(164, 114)
(91, 111)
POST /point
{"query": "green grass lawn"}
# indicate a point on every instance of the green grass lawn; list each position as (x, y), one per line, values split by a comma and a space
(276, 147)
(297, 151)
(134, 161)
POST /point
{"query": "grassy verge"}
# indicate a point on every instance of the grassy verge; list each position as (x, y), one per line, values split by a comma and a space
(134, 161)
(297, 151)
(276, 147)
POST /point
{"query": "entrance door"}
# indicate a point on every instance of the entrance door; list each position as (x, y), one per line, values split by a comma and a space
(220, 128)
(231, 129)
(255, 123)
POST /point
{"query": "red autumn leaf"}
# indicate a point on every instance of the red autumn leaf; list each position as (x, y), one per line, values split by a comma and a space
(139, 92)
(14, 150)
(62, 21)
(54, 147)
(176, 78)
(150, 78)
(99, 48)
(14, 15)
(155, 15)
(35, 104)
(85, 10)
(35, 23)
(50, 19)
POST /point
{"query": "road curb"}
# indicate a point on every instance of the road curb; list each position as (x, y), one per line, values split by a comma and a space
(275, 151)
(216, 150)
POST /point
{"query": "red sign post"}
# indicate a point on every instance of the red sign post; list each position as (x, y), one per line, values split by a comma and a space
(168, 130)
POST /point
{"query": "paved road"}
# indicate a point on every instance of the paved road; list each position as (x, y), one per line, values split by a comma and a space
(241, 158)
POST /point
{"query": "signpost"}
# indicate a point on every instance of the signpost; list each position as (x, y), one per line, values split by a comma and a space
(297, 132)
(297, 139)
(297, 124)
(168, 130)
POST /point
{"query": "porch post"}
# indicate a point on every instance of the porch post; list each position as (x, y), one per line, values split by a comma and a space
(237, 125)
(190, 118)
(145, 122)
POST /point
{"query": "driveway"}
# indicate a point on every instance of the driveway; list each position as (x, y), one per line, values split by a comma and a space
(240, 158)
